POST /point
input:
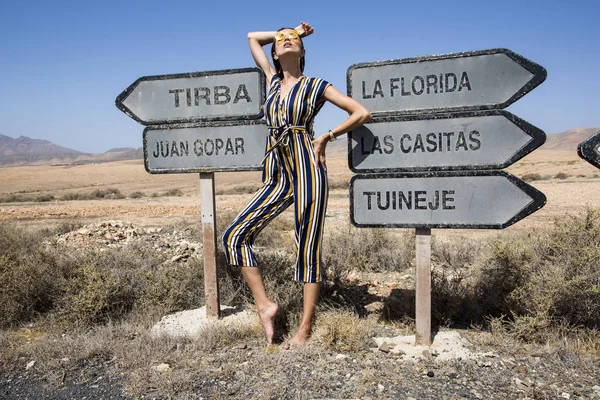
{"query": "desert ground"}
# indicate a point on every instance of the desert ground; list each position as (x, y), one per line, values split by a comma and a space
(121, 360)
(569, 183)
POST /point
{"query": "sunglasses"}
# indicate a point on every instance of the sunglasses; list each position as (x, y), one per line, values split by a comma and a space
(291, 34)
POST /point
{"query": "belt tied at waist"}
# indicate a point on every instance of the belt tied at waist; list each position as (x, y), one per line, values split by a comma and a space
(284, 138)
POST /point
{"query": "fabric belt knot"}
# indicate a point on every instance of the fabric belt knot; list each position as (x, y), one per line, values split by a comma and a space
(284, 137)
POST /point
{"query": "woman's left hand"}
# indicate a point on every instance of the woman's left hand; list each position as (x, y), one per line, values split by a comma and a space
(304, 29)
(319, 145)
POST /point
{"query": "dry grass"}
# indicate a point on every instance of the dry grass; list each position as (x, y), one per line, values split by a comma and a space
(541, 287)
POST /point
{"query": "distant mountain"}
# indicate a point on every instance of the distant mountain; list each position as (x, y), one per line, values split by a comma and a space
(568, 140)
(27, 151)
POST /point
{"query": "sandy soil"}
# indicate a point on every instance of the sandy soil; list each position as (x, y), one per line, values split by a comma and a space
(579, 190)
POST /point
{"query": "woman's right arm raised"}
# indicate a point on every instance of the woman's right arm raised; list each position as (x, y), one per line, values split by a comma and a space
(257, 40)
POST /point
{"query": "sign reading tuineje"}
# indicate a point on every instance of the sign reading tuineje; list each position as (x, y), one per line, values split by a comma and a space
(200, 121)
(433, 115)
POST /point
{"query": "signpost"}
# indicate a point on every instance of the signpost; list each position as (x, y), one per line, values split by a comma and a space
(589, 149)
(437, 125)
(201, 122)
(447, 141)
(227, 95)
(475, 80)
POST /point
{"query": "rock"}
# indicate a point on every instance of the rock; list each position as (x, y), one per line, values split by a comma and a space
(452, 375)
(565, 395)
(426, 354)
(520, 384)
(340, 356)
(400, 352)
(380, 388)
(430, 374)
(374, 307)
(162, 367)
(30, 365)
(596, 388)
(384, 347)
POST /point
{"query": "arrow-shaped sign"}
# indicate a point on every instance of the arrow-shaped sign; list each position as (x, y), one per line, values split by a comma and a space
(589, 149)
(232, 94)
(491, 139)
(476, 80)
(470, 199)
(209, 147)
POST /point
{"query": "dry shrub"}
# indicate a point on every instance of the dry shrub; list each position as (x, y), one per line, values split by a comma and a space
(537, 281)
(342, 330)
(342, 183)
(239, 189)
(137, 195)
(84, 287)
(561, 175)
(563, 281)
(99, 287)
(174, 286)
(110, 193)
(173, 192)
(29, 281)
(533, 176)
(364, 249)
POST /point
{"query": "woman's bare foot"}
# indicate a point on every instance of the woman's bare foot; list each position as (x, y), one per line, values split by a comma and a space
(267, 319)
(299, 339)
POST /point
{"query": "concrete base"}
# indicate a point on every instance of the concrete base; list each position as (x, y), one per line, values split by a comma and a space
(190, 323)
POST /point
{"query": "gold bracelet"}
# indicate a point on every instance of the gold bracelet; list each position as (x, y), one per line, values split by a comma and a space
(332, 137)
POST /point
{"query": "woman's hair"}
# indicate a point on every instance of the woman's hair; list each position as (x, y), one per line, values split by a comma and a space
(276, 63)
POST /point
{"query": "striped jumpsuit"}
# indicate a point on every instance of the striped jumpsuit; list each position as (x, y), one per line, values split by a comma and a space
(289, 176)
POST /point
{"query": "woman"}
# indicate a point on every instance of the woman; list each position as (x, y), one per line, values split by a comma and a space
(294, 170)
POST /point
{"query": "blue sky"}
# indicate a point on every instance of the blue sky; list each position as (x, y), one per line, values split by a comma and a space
(62, 63)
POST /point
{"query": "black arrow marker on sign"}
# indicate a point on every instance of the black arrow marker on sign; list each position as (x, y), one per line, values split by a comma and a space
(589, 149)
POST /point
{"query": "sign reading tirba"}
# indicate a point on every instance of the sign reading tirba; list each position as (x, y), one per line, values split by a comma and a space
(234, 94)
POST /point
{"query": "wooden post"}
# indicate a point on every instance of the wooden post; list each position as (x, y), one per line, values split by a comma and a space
(423, 290)
(207, 206)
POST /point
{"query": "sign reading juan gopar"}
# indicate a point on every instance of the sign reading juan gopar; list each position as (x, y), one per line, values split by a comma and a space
(589, 149)
(224, 146)
(442, 200)
(233, 94)
(471, 140)
(477, 80)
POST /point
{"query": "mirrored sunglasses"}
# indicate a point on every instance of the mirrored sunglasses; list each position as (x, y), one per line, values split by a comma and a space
(290, 34)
